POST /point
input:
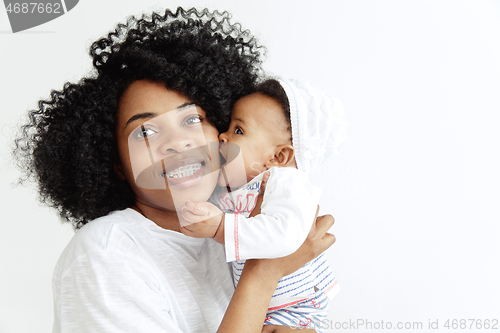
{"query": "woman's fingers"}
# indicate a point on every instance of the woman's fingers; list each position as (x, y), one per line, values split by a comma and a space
(316, 216)
(263, 183)
(324, 223)
(260, 197)
(319, 237)
(329, 239)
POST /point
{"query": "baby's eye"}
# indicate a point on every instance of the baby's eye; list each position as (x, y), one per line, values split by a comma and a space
(144, 132)
(195, 119)
(238, 131)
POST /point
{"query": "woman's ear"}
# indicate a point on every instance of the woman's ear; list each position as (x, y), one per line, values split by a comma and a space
(283, 155)
(119, 171)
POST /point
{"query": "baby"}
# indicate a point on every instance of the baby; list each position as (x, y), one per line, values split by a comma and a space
(277, 135)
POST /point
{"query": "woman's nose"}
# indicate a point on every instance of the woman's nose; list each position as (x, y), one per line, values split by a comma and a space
(177, 142)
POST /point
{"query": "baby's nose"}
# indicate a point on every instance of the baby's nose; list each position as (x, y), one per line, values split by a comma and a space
(223, 137)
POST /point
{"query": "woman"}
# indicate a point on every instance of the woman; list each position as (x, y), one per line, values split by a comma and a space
(128, 268)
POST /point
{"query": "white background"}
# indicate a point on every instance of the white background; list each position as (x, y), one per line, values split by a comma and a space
(415, 190)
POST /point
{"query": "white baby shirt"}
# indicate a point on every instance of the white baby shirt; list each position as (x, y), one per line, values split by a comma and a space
(287, 213)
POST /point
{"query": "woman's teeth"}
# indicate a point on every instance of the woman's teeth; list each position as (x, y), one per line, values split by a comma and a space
(183, 171)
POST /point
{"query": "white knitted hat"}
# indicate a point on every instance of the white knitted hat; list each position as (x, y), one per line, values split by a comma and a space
(318, 124)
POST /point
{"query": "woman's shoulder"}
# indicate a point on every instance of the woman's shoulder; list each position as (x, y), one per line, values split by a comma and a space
(102, 231)
(127, 235)
(118, 233)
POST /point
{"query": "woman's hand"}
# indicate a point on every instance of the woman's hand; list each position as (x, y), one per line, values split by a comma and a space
(260, 277)
(260, 198)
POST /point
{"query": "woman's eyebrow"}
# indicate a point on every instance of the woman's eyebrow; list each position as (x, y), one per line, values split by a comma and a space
(140, 116)
(185, 105)
(152, 114)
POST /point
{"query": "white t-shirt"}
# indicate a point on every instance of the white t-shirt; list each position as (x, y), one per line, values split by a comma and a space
(123, 273)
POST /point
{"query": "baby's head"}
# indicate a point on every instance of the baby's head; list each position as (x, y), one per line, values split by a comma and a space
(261, 127)
(285, 123)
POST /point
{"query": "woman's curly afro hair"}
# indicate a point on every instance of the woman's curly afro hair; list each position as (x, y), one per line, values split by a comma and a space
(69, 146)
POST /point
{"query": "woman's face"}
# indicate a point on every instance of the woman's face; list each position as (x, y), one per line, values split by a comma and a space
(165, 145)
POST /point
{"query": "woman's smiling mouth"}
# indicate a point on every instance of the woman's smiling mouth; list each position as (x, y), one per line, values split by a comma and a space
(184, 176)
(183, 171)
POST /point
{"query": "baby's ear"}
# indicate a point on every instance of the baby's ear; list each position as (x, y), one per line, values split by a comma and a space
(283, 155)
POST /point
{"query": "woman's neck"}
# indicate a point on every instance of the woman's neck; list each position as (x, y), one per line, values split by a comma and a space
(166, 219)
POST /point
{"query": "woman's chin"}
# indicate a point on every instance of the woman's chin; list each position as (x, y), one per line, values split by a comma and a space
(195, 190)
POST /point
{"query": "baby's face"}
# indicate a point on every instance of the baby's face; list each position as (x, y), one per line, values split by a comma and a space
(257, 126)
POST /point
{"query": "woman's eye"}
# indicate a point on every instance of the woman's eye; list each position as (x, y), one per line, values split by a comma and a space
(238, 131)
(144, 132)
(194, 120)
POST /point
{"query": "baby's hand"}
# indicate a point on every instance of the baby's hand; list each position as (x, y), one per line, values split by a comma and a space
(205, 219)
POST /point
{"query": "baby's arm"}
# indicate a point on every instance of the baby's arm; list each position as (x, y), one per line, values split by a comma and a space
(203, 217)
(289, 205)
